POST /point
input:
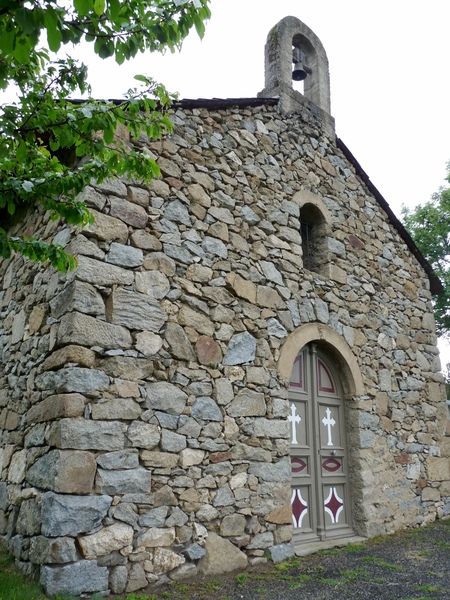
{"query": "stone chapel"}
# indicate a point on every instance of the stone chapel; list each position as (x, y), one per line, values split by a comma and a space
(242, 367)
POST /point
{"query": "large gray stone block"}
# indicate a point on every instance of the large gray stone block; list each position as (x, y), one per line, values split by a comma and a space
(76, 328)
(121, 459)
(241, 349)
(129, 481)
(29, 519)
(221, 556)
(153, 283)
(273, 428)
(172, 442)
(124, 256)
(261, 540)
(128, 212)
(154, 518)
(179, 343)
(176, 211)
(165, 397)
(282, 552)
(71, 515)
(118, 579)
(101, 273)
(247, 403)
(81, 434)
(66, 471)
(156, 537)
(78, 296)
(77, 578)
(55, 407)
(73, 379)
(107, 540)
(143, 435)
(125, 409)
(206, 409)
(135, 311)
(107, 228)
(45, 550)
(279, 471)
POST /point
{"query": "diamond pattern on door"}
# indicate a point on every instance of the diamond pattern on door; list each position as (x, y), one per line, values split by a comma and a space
(299, 507)
(333, 505)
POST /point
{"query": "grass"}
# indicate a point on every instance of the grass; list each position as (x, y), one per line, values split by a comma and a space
(332, 581)
(350, 575)
(442, 545)
(352, 548)
(241, 578)
(13, 585)
(428, 588)
(380, 562)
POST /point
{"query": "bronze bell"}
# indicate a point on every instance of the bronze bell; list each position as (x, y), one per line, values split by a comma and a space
(300, 71)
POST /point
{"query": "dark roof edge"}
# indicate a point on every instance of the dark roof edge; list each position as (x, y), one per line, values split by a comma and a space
(219, 103)
(209, 103)
(436, 286)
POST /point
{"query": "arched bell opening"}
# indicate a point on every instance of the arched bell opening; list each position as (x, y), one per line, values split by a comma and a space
(304, 64)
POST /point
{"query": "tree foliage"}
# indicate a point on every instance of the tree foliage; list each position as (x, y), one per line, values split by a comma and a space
(429, 226)
(51, 147)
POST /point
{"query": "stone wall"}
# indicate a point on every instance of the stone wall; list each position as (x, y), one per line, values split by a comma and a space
(143, 415)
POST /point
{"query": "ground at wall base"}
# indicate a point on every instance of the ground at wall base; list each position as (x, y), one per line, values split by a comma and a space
(411, 564)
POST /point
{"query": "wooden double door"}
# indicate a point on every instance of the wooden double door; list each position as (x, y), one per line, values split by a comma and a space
(320, 491)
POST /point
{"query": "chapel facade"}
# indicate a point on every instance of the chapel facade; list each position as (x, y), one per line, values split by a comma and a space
(242, 367)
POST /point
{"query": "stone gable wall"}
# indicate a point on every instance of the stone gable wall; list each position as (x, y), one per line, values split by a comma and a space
(143, 417)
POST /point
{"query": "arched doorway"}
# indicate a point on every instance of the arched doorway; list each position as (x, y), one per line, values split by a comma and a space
(320, 494)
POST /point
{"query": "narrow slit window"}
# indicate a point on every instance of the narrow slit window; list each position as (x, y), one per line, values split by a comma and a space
(306, 230)
(313, 233)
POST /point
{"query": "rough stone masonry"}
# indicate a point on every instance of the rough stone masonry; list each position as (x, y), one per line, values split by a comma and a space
(142, 410)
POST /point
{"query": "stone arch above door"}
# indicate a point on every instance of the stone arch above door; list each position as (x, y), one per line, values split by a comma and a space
(336, 345)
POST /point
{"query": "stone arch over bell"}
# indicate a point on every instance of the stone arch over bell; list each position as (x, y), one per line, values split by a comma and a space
(288, 33)
(336, 347)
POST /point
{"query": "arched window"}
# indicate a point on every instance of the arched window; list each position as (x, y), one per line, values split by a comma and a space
(313, 232)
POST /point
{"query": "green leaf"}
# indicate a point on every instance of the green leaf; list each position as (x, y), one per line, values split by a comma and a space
(99, 7)
(22, 50)
(199, 26)
(83, 6)
(115, 10)
(7, 39)
(108, 135)
(54, 35)
(21, 152)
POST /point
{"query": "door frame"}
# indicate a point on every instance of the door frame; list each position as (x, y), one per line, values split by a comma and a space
(342, 358)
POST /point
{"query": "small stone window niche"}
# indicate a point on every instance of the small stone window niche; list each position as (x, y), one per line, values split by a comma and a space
(314, 230)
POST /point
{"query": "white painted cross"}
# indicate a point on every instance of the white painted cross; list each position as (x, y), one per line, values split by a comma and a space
(293, 419)
(328, 422)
